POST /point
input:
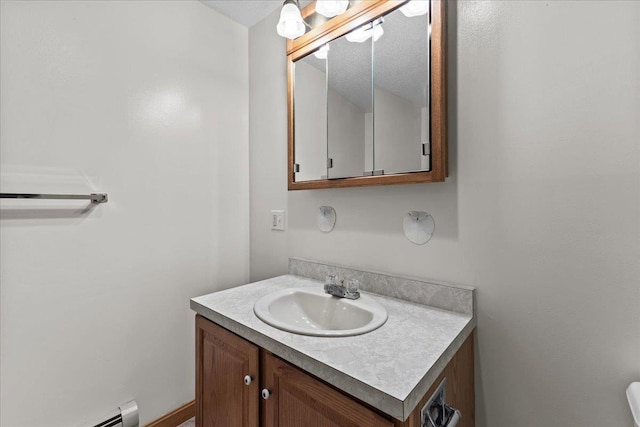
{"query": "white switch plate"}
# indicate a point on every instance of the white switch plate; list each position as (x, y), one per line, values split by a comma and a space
(277, 220)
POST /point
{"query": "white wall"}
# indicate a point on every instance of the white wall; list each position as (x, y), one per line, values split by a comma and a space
(541, 212)
(267, 146)
(148, 101)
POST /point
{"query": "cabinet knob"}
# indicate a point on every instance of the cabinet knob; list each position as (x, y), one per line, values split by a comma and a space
(265, 393)
(247, 380)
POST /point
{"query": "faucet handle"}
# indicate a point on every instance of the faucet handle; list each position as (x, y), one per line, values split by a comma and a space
(329, 280)
(352, 286)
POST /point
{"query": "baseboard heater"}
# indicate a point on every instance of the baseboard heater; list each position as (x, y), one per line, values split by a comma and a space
(125, 416)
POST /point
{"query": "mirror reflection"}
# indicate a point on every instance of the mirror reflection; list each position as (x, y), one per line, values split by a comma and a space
(350, 104)
(401, 70)
(310, 109)
(361, 102)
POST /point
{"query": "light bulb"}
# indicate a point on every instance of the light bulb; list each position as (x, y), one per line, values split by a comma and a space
(290, 25)
(358, 35)
(364, 33)
(415, 8)
(331, 8)
(377, 32)
(322, 53)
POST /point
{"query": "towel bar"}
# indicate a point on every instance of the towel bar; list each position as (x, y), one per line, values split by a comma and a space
(94, 197)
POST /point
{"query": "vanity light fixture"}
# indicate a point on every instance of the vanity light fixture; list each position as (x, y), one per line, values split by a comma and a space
(415, 8)
(291, 24)
(323, 52)
(331, 8)
(365, 32)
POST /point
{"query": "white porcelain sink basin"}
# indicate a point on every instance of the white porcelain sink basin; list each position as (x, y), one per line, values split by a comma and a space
(310, 311)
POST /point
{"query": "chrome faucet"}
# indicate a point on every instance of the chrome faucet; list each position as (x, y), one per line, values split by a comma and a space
(350, 291)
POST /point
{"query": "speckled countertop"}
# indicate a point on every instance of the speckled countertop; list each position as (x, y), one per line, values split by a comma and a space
(390, 368)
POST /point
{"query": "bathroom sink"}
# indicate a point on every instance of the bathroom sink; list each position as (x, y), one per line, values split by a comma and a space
(310, 311)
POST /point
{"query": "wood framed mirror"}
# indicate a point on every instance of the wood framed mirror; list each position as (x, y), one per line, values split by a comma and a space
(367, 97)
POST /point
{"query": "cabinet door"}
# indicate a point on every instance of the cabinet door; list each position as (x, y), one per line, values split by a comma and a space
(297, 399)
(222, 362)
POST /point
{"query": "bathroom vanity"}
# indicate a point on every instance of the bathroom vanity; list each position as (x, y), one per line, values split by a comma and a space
(249, 373)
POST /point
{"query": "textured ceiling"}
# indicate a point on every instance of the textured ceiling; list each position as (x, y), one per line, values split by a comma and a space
(246, 12)
(400, 62)
(401, 54)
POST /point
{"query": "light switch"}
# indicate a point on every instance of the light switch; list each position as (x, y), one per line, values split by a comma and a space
(277, 220)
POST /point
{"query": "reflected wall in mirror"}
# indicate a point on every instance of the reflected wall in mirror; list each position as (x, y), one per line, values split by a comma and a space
(310, 106)
(401, 77)
(350, 106)
(367, 98)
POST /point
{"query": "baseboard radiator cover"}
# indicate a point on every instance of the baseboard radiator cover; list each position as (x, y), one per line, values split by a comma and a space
(125, 416)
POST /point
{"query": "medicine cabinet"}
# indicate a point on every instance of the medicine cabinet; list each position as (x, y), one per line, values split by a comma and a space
(367, 97)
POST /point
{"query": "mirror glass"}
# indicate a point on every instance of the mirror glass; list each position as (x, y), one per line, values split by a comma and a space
(350, 104)
(401, 70)
(362, 101)
(310, 112)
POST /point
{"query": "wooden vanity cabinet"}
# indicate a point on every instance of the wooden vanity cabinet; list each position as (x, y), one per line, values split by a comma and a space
(223, 360)
(296, 398)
